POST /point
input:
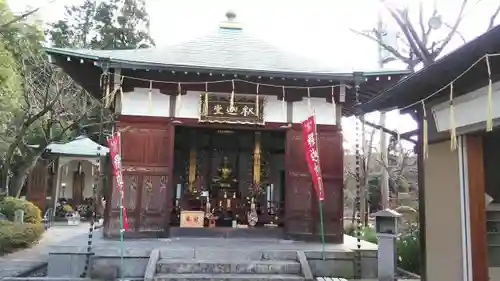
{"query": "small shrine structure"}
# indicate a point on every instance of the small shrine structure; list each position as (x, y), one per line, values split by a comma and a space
(211, 134)
(66, 172)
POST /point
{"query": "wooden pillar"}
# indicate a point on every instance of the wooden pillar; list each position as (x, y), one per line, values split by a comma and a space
(477, 208)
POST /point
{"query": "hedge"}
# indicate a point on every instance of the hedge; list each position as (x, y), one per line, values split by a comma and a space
(32, 213)
(16, 236)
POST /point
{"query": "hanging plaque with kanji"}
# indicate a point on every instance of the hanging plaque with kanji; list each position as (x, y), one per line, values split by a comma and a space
(242, 110)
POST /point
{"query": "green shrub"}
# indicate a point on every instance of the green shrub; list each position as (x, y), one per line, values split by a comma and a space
(367, 233)
(407, 245)
(32, 213)
(350, 229)
(15, 236)
(408, 251)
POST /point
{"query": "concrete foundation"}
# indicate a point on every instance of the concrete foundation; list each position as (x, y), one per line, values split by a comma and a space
(212, 256)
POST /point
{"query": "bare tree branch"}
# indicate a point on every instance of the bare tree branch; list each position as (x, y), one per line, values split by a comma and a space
(425, 27)
(452, 31)
(493, 18)
(390, 49)
(457, 32)
(401, 18)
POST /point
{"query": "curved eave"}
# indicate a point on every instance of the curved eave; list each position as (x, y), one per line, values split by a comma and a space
(130, 64)
(86, 69)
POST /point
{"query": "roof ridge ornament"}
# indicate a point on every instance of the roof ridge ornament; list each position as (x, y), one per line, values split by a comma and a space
(231, 22)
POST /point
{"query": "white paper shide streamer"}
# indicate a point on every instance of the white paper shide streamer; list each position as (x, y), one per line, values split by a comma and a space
(178, 102)
(334, 105)
(283, 104)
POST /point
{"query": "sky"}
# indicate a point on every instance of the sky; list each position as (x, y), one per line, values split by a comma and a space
(319, 29)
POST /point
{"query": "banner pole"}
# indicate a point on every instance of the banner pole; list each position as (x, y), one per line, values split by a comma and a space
(320, 192)
(322, 228)
(122, 230)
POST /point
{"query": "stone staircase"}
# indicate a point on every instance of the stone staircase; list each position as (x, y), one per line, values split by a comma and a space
(247, 266)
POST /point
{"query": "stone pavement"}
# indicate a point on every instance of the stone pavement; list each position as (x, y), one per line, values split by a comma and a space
(25, 260)
(60, 235)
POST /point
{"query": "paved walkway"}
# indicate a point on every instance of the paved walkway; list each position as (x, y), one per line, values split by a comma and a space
(16, 263)
(25, 260)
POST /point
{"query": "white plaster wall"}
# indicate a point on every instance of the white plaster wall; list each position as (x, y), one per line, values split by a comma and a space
(189, 105)
(136, 103)
(325, 112)
(470, 109)
(273, 110)
(67, 171)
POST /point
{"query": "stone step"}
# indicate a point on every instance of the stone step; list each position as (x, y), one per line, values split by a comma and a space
(228, 266)
(227, 277)
(222, 253)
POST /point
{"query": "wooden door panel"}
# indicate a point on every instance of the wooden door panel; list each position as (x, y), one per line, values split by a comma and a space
(333, 196)
(295, 157)
(331, 154)
(332, 167)
(154, 204)
(154, 194)
(298, 225)
(133, 146)
(158, 143)
(113, 227)
(147, 169)
(301, 191)
(298, 191)
(130, 193)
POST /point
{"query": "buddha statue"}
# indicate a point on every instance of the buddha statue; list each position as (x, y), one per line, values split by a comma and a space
(224, 178)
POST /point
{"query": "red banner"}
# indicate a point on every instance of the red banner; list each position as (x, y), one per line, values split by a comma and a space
(116, 160)
(309, 138)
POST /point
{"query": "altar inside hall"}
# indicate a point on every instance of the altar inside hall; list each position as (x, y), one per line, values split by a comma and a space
(228, 178)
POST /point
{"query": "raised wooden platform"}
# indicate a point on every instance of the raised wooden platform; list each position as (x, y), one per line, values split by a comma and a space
(228, 232)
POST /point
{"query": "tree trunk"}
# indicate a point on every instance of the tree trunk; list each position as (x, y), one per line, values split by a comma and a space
(22, 173)
(4, 176)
